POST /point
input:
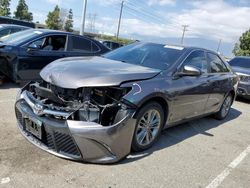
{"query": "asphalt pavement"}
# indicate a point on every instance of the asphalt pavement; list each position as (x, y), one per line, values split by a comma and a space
(202, 153)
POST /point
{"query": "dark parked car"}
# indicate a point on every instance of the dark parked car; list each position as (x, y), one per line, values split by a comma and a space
(241, 65)
(7, 29)
(24, 54)
(97, 109)
(111, 45)
(9, 20)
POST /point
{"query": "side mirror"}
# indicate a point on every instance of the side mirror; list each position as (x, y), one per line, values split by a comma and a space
(189, 71)
(32, 47)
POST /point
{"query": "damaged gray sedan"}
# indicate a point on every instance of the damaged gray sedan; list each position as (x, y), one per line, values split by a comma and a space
(98, 109)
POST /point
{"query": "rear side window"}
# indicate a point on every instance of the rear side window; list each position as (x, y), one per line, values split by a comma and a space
(216, 64)
(197, 59)
(107, 44)
(83, 45)
(115, 45)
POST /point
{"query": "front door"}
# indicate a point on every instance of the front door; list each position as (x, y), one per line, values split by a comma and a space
(38, 54)
(190, 92)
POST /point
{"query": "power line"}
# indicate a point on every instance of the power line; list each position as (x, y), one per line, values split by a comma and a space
(142, 6)
(145, 13)
(138, 16)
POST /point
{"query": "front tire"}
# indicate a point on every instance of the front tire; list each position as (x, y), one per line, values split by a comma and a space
(150, 120)
(225, 108)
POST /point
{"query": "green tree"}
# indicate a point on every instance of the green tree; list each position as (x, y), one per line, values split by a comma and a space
(243, 48)
(69, 22)
(22, 11)
(53, 19)
(4, 7)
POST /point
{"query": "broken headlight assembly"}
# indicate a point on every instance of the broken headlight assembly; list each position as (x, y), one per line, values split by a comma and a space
(101, 105)
(92, 104)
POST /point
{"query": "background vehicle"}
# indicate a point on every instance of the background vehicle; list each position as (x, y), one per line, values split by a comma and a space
(8, 20)
(98, 108)
(111, 45)
(241, 65)
(24, 54)
(7, 29)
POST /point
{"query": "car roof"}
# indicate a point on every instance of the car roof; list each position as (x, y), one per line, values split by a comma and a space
(51, 31)
(241, 57)
(187, 48)
(13, 25)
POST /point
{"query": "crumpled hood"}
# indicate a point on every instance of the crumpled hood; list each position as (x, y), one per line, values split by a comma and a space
(76, 72)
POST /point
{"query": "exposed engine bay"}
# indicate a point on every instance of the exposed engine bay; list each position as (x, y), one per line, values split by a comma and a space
(97, 104)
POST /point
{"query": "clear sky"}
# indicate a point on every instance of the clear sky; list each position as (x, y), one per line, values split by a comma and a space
(160, 20)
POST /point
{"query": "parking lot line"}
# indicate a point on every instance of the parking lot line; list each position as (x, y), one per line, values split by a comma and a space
(220, 178)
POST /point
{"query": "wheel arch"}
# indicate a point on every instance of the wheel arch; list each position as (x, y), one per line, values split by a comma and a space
(155, 98)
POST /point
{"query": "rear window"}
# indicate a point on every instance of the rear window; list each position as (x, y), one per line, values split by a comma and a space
(240, 62)
(151, 55)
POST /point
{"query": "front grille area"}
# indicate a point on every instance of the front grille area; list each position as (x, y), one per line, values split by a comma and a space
(19, 117)
(50, 142)
(53, 139)
(65, 144)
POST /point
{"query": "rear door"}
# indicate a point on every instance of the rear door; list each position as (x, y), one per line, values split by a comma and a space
(191, 93)
(220, 80)
(39, 53)
(81, 46)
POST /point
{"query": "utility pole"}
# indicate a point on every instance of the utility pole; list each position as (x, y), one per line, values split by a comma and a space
(183, 33)
(83, 17)
(218, 48)
(119, 23)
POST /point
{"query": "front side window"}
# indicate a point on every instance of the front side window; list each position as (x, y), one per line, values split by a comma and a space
(50, 43)
(216, 64)
(80, 44)
(198, 60)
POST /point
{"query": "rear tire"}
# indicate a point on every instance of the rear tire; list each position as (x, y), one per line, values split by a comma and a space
(225, 108)
(150, 121)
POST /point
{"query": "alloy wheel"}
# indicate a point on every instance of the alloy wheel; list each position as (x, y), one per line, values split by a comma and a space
(148, 127)
(226, 105)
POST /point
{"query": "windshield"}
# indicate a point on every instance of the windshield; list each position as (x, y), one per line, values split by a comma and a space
(240, 62)
(19, 37)
(150, 55)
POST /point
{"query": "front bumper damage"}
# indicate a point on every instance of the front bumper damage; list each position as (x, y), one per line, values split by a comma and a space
(77, 140)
